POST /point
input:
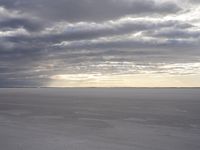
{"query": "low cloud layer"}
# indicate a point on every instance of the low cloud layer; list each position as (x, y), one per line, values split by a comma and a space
(41, 40)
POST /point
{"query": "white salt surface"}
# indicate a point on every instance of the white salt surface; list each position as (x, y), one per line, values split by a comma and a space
(99, 119)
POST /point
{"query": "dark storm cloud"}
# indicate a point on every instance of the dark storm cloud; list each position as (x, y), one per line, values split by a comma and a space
(42, 38)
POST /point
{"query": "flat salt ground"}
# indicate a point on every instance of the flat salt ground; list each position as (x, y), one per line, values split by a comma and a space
(99, 119)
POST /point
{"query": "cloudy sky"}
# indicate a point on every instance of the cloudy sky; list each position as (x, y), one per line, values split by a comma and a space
(66, 43)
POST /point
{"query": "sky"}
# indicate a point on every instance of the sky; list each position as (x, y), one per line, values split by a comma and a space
(99, 43)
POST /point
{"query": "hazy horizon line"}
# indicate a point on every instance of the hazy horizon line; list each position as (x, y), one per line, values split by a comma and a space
(108, 87)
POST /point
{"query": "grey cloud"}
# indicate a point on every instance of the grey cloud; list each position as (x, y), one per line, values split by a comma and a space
(96, 10)
(174, 33)
(92, 36)
(194, 1)
(30, 25)
(117, 27)
(91, 30)
(128, 43)
(19, 70)
(12, 19)
(18, 83)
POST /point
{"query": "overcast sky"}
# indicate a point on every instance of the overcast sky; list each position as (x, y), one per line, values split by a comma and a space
(99, 43)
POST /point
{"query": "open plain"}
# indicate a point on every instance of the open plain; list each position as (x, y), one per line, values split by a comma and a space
(99, 119)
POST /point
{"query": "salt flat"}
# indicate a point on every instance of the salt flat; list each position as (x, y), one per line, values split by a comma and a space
(99, 119)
